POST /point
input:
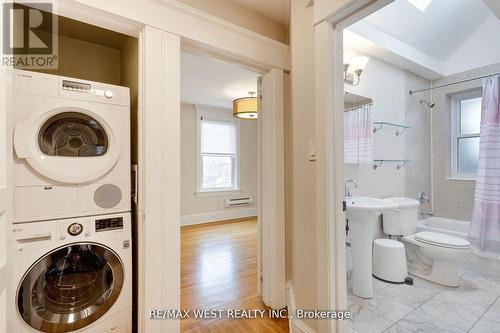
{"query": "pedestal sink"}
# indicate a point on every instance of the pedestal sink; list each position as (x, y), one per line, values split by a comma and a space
(364, 215)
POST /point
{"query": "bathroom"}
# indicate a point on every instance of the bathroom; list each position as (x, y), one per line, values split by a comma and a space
(404, 140)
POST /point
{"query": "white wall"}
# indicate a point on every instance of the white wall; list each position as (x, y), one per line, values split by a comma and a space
(243, 16)
(203, 209)
(304, 271)
(481, 49)
(385, 85)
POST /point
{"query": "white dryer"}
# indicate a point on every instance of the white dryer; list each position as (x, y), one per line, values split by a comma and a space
(72, 147)
(72, 275)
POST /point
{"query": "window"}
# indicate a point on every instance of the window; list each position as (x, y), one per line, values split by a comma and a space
(466, 120)
(218, 137)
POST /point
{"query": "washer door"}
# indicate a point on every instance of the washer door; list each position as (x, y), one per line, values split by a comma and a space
(70, 288)
(70, 145)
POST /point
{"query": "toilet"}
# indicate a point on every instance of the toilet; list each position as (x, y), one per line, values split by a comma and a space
(430, 255)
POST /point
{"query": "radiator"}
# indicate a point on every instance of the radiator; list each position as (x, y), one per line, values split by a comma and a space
(236, 202)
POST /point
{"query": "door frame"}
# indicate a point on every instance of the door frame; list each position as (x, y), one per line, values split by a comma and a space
(6, 190)
(159, 127)
(271, 139)
(329, 107)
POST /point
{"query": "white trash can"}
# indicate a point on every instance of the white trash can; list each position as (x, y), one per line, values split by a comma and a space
(389, 260)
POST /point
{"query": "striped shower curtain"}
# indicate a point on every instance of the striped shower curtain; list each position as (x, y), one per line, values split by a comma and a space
(358, 135)
(484, 233)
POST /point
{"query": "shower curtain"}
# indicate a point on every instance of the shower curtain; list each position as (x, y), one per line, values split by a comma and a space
(358, 135)
(484, 233)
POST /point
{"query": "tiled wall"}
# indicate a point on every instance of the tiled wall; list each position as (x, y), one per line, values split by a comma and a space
(418, 138)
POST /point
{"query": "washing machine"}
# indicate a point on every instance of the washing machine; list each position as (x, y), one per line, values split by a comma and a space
(72, 275)
(72, 147)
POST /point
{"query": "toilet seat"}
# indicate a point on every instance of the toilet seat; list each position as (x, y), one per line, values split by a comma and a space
(441, 240)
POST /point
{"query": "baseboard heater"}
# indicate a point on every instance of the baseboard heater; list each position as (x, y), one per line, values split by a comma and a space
(236, 202)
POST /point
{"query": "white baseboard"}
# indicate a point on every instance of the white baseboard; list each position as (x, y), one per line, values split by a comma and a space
(219, 216)
(296, 325)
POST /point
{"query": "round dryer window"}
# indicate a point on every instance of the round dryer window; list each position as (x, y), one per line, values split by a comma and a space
(72, 134)
(70, 288)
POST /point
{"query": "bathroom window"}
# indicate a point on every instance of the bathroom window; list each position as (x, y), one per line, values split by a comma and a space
(218, 137)
(466, 123)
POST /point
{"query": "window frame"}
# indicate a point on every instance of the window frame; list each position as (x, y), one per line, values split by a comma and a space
(456, 135)
(220, 115)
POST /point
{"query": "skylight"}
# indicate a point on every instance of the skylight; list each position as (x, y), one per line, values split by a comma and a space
(420, 4)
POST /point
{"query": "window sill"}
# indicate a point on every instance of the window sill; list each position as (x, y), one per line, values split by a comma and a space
(462, 178)
(217, 193)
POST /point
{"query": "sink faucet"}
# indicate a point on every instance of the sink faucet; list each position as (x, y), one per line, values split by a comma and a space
(347, 190)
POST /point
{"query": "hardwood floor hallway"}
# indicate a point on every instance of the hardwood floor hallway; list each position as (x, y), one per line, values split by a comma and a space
(219, 271)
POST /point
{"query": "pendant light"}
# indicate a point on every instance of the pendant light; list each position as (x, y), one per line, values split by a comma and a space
(246, 107)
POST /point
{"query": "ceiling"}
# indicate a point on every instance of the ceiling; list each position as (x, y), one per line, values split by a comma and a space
(438, 31)
(276, 10)
(448, 37)
(208, 81)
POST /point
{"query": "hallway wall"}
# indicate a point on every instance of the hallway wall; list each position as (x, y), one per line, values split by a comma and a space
(198, 208)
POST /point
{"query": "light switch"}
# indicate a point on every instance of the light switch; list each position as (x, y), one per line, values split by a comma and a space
(312, 150)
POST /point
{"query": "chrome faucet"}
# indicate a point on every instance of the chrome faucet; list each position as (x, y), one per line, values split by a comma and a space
(423, 199)
(347, 190)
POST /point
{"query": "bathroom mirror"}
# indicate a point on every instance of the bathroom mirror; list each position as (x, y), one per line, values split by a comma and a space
(358, 129)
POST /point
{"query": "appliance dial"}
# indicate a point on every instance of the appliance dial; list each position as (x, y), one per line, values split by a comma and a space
(108, 94)
(75, 229)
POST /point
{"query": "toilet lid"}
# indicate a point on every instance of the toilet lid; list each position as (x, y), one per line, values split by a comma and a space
(435, 238)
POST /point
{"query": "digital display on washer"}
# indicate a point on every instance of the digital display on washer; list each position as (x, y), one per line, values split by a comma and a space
(77, 86)
(112, 223)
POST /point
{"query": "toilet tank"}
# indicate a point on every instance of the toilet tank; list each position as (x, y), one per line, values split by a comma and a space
(401, 221)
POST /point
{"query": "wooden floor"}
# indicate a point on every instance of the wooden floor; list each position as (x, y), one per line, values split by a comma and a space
(219, 271)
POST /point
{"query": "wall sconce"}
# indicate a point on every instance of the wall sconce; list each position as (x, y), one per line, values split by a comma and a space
(354, 68)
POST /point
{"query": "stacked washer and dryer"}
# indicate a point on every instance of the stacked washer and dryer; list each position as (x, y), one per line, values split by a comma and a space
(72, 223)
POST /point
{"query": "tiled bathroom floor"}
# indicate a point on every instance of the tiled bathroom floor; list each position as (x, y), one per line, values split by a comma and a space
(427, 307)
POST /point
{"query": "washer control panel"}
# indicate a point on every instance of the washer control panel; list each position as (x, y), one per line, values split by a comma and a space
(75, 229)
(72, 229)
(112, 223)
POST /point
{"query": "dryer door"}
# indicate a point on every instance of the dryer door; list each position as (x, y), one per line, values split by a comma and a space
(70, 145)
(70, 287)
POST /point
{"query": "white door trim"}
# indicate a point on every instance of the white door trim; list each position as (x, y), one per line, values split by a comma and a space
(6, 190)
(329, 109)
(160, 226)
(329, 198)
(272, 196)
(198, 29)
(171, 180)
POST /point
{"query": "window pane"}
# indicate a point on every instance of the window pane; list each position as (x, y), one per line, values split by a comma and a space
(470, 115)
(217, 172)
(468, 155)
(217, 137)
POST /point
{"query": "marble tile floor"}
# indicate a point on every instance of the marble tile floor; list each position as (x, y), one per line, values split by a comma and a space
(428, 307)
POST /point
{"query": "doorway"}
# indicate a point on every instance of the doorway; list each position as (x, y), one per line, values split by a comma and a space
(397, 126)
(221, 182)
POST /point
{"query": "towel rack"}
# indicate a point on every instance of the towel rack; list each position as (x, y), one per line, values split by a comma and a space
(400, 128)
(399, 163)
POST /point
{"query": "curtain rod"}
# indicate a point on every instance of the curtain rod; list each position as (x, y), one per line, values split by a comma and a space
(453, 83)
(357, 107)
